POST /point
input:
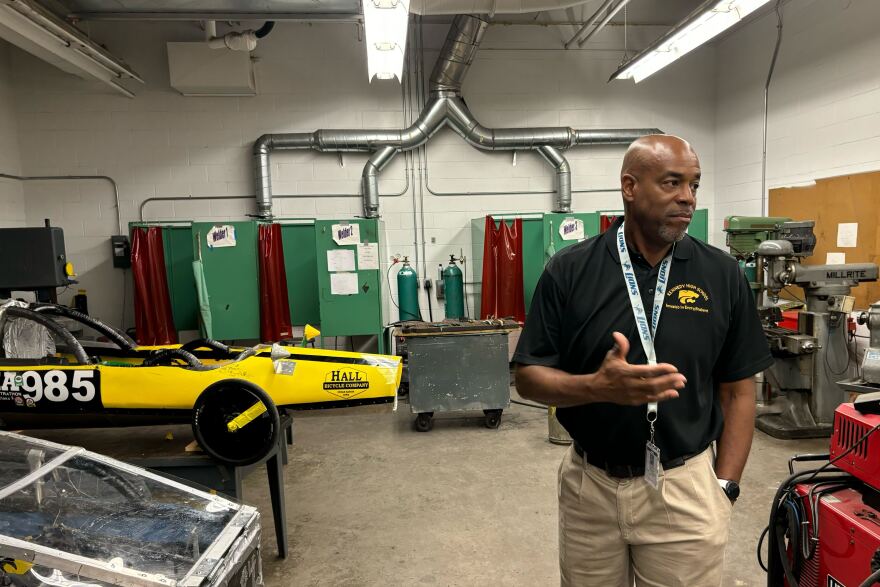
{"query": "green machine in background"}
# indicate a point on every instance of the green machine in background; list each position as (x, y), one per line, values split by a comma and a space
(350, 285)
(744, 234)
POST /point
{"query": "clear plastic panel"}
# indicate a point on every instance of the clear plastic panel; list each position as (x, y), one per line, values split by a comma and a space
(20, 455)
(88, 508)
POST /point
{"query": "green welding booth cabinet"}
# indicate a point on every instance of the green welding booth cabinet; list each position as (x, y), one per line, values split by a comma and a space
(542, 238)
(350, 286)
(546, 234)
(232, 277)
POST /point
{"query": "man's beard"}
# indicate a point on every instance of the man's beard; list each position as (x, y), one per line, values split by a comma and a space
(670, 235)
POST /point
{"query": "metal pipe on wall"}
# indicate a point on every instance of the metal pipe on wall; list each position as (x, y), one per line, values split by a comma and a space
(764, 210)
(422, 101)
(75, 177)
(563, 177)
(408, 115)
(370, 180)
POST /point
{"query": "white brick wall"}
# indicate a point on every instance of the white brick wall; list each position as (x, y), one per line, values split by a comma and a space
(12, 212)
(313, 76)
(824, 115)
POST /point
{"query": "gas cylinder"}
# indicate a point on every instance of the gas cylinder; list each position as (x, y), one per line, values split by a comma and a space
(453, 285)
(408, 292)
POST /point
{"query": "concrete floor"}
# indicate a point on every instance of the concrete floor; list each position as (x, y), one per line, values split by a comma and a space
(372, 502)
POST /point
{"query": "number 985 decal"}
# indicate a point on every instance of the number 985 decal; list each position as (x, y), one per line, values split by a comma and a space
(53, 389)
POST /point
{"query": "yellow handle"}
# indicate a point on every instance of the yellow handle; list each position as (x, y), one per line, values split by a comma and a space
(246, 417)
(17, 567)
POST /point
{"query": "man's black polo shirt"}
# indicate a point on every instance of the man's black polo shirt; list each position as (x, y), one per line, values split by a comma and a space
(709, 329)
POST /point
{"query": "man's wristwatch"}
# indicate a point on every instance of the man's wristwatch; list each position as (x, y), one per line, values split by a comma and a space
(731, 489)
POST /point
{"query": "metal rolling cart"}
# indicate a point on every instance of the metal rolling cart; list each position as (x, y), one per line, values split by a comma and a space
(456, 366)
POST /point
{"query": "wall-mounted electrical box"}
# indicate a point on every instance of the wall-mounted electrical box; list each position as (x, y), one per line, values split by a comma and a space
(197, 70)
(121, 248)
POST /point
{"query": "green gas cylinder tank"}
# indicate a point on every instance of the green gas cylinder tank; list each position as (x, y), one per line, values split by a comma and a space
(453, 285)
(408, 292)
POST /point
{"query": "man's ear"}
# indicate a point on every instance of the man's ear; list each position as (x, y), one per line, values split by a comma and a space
(627, 186)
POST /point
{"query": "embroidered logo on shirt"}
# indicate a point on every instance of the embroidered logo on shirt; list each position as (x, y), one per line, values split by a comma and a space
(687, 296)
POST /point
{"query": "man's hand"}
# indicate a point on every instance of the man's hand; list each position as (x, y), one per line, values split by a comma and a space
(616, 382)
(620, 382)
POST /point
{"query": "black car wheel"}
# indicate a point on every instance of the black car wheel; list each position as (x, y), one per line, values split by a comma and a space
(223, 402)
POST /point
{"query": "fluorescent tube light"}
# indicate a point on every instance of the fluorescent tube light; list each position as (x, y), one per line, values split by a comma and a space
(385, 24)
(704, 24)
(28, 27)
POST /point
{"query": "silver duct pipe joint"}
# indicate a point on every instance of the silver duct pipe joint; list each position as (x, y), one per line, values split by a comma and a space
(370, 179)
(505, 139)
(563, 177)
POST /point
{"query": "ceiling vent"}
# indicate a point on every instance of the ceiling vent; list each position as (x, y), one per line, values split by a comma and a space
(198, 70)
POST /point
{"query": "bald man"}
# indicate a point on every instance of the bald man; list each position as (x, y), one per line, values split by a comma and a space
(647, 341)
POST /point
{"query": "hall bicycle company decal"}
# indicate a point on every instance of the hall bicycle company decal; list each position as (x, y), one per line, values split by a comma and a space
(832, 582)
(52, 390)
(346, 383)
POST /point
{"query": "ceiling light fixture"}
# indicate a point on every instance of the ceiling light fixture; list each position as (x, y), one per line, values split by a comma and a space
(385, 24)
(30, 27)
(703, 24)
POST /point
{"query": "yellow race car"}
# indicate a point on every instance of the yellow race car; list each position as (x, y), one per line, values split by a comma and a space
(231, 395)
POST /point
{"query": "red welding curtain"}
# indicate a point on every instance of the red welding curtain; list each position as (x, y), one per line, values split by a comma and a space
(274, 307)
(606, 221)
(503, 271)
(154, 323)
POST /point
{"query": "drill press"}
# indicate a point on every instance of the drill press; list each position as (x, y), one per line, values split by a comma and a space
(812, 359)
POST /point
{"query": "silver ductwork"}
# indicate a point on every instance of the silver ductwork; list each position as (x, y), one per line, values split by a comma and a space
(458, 53)
(444, 106)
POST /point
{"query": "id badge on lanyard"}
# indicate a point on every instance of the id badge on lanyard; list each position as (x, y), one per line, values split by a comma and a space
(647, 328)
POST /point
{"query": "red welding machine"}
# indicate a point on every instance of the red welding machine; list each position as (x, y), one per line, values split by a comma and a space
(824, 529)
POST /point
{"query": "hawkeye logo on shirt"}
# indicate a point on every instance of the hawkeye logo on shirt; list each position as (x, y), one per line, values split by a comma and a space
(688, 297)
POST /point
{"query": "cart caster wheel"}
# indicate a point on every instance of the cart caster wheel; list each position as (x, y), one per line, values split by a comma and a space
(493, 418)
(424, 422)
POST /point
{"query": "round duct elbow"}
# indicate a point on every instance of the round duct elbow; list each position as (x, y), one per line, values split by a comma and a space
(244, 41)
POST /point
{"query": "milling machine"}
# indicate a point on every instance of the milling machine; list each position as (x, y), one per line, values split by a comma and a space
(812, 359)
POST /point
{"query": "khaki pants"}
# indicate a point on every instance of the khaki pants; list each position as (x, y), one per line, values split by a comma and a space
(613, 532)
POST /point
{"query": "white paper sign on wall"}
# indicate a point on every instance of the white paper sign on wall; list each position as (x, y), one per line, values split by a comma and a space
(572, 229)
(847, 234)
(347, 234)
(221, 236)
